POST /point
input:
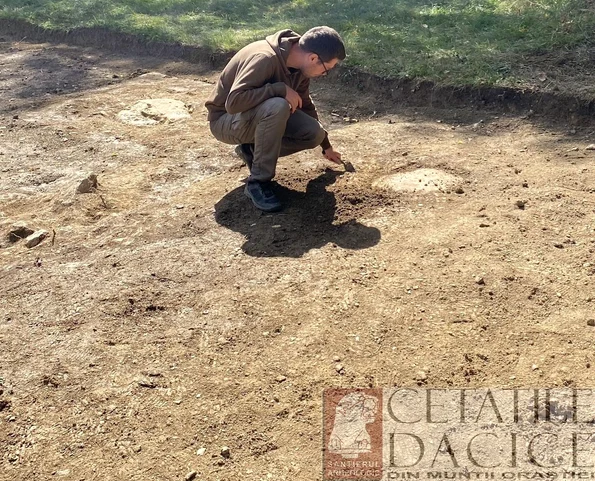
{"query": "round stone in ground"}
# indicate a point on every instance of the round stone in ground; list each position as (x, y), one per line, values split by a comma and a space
(155, 111)
(420, 180)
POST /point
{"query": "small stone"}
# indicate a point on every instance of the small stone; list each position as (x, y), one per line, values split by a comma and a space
(591, 322)
(421, 376)
(138, 448)
(336, 358)
(534, 367)
(459, 190)
(479, 280)
(190, 476)
(590, 147)
(520, 204)
(147, 383)
(559, 245)
(574, 149)
(339, 368)
(201, 451)
(18, 231)
(87, 185)
(35, 238)
(225, 452)
(179, 206)
(280, 378)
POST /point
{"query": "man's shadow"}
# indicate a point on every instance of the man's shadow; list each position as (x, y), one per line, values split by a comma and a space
(305, 223)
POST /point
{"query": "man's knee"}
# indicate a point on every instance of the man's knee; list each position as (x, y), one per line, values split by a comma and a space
(320, 135)
(276, 106)
(315, 136)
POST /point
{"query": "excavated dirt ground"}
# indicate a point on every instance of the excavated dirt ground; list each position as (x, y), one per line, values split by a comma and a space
(164, 314)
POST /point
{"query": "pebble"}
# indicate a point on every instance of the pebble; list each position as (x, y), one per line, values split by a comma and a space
(459, 190)
(520, 204)
(87, 185)
(534, 367)
(421, 376)
(339, 368)
(190, 476)
(201, 451)
(225, 452)
(479, 280)
(336, 358)
(147, 383)
(35, 238)
(591, 322)
(590, 147)
(280, 378)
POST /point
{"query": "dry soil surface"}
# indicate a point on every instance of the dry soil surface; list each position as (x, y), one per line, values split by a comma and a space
(163, 314)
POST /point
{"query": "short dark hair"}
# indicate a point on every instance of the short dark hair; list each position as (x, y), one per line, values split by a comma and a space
(325, 42)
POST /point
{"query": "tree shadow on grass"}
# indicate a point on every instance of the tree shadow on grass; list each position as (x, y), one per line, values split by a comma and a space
(305, 223)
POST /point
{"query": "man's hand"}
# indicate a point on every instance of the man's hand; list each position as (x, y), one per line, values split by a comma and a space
(293, 98)
(330, 154)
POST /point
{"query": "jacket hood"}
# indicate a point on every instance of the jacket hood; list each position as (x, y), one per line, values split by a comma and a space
(281, 43)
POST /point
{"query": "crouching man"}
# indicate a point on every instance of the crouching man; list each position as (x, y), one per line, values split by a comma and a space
(262, 103)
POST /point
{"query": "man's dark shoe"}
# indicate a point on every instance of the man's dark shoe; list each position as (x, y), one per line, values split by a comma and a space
(246, 153)
(262, 196)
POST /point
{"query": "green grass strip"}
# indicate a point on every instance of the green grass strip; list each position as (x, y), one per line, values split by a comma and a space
(472, 42)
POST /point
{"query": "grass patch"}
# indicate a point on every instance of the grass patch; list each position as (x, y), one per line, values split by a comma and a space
(447, 41)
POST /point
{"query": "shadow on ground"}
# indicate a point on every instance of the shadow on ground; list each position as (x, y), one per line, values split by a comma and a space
(307, 222)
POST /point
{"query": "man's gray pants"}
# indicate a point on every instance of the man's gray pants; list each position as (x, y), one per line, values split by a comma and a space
(274, 131)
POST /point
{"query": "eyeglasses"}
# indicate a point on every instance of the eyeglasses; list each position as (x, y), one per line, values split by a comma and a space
(323, 66)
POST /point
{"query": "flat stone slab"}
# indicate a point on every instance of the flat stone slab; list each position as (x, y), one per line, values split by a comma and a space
(155, 111)
(420, 180)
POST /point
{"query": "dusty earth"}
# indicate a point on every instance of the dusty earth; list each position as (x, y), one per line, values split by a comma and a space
(163, 314)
